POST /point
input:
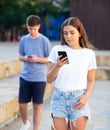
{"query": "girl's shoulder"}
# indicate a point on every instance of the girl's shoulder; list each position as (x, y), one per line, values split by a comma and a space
(89, 51)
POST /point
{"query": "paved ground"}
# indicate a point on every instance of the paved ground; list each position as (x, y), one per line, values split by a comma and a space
(100, 110)
(8, 51)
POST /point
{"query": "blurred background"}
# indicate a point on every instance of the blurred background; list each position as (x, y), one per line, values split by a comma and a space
(95, 15)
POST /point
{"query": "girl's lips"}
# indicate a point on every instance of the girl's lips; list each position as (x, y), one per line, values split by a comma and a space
(68, 40)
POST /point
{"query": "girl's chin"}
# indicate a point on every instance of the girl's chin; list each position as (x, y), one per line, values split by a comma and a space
(69, 43)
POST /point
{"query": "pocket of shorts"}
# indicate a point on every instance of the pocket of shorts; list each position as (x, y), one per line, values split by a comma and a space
(79, 93)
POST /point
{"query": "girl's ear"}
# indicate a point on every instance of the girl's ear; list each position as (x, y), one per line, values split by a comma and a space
(79, 35)
(39, 25)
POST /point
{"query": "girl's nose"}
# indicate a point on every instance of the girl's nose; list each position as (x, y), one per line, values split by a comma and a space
(69, 35)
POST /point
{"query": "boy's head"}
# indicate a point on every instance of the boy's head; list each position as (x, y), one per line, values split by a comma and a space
(33, 20)
(33, 23)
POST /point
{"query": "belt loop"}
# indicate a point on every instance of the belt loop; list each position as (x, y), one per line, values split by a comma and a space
(66, 94)
(73, 93)
(60, 93)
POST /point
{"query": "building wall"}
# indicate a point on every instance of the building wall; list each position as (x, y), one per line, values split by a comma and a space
(95, 15)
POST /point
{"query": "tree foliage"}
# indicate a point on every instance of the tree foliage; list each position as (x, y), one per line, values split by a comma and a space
(14, 12)
(63, 5)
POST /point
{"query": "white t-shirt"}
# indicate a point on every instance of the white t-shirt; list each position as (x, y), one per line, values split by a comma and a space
(73, 76)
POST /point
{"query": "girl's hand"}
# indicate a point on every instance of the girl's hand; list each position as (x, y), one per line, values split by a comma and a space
(82, 101)
(62, 61)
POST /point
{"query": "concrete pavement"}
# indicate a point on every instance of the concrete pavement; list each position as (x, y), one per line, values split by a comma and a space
(99, 104)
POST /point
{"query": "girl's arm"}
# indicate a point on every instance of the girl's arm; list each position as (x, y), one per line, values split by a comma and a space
(53, 69)
(90, 86)
(52, 72)
(90, 82)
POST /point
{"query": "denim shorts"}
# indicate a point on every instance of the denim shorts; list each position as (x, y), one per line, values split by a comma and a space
(62, 105)
(31, 91)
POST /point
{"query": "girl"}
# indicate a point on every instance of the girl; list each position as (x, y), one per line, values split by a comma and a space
(73, 77)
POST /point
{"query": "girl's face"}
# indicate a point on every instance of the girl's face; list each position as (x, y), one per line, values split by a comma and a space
(71, 36)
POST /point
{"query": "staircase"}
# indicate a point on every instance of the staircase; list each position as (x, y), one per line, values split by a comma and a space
(103, 63)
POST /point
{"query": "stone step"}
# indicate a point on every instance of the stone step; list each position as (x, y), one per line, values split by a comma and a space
(10, 68)
(103, 73)
(9, 109)
(103, 60)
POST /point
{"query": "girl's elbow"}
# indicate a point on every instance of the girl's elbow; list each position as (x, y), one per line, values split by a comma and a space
(49, 81)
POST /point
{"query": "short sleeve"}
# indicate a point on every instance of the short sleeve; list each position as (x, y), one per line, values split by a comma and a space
(92, 64)
(21, 47)
(47, 47)
(53, 56)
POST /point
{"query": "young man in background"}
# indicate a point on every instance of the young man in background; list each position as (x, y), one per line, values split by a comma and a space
(34, 50)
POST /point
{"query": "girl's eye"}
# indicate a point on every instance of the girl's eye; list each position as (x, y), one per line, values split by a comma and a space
(65, 33)
(72, 32)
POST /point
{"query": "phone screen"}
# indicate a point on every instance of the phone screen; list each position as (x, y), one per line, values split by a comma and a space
(63, 53)
(29, 56)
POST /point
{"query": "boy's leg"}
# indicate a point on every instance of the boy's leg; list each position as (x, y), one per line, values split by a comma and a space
(23, 112)
(24, 98)
(37, 114)
(38, 94)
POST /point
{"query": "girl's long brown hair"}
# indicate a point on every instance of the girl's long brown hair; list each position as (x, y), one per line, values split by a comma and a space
(75, 22)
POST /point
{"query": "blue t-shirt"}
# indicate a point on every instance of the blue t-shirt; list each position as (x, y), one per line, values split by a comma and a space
(40, 46)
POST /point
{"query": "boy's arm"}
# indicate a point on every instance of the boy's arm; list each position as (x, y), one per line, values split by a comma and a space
(23, 58)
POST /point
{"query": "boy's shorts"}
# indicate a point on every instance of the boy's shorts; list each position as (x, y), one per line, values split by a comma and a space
(62, 105)
(31, 91)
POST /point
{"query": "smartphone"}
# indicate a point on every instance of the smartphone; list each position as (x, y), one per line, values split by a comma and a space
(29, 56)
(63, 53)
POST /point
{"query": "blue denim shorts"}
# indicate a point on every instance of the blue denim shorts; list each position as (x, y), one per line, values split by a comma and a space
(62, 105)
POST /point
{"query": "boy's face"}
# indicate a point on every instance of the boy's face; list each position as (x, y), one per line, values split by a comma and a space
(33, 30)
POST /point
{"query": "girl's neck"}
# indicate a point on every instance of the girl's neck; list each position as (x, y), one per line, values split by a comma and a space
(76, 47)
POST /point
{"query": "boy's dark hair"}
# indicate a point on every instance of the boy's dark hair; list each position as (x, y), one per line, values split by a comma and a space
(33, 20)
